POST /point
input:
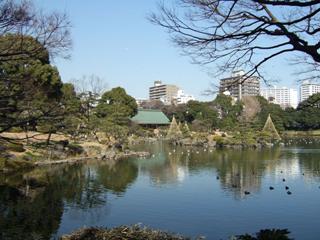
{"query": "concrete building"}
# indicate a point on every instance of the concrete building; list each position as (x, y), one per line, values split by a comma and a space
(183, 98)
(236, 86)
(285, 97)
(307, 89)
(164, 92)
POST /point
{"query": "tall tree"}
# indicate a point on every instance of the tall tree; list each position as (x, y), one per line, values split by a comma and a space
(114, 111)
(243, 33)
(30, 88)
(117, 104)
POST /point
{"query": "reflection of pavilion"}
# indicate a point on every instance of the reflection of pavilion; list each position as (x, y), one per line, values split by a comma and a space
(164, 168)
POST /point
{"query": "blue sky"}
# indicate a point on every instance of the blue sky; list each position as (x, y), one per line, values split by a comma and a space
(115, 41)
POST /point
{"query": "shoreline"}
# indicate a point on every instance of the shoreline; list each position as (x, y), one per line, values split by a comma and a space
(109, 155)
(116, 156)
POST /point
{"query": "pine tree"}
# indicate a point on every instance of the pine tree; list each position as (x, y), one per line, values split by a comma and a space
(185, 130)
(174, 130)
(271, 129)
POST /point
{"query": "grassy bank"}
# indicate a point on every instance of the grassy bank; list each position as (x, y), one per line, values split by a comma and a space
(136, 232)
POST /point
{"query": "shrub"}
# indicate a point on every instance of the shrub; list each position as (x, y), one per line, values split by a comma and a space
(15, 147)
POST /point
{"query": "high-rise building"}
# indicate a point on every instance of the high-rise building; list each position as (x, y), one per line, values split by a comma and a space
(307, 89)
(164, 92)
(285, 97)
(237, 85)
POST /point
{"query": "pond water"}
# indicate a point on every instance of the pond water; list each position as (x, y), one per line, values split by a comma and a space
(194, 192)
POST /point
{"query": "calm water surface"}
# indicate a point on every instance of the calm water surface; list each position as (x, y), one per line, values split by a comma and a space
(195, 193)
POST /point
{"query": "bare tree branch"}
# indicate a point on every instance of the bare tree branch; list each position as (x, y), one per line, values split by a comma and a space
(245, 34)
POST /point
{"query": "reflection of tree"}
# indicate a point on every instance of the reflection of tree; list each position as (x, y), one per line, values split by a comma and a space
(31, 204)
(239, 170)
(118, 177)
(310, 163)
(79, 187)
(25, 218)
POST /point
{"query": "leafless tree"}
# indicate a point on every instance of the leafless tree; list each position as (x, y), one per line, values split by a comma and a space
(22, 18)
(92, 83)
(242, 34)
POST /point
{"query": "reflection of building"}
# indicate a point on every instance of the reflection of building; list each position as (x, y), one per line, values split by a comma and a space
(285, 97)
(163, 92)
(237, 86)
(307, 89)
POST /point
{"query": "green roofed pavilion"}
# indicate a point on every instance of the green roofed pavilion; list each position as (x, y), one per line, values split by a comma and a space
(151, 118)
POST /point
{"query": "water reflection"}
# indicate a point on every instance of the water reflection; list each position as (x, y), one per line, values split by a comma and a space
(237, 170)
(32, 204)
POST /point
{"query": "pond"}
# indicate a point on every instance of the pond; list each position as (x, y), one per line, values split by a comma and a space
(191, 191)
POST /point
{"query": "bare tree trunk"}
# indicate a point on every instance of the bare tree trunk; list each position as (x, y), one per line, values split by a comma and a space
(48, 139)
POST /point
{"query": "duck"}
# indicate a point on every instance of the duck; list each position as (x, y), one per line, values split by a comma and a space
(283, 180)
(289, 193)
(287, 187)
(271, 188)
(218, 177)
(246, 192)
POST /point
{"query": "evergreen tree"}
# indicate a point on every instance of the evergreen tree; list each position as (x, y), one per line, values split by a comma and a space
(271, 129)
(174, 130)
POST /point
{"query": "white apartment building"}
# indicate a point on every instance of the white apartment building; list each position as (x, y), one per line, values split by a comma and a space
(183, 98)
(168, 94)
(285, 97)
(307, 89)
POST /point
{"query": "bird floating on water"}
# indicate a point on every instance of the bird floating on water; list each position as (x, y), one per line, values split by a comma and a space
(289, 193)
(283, 180)
(287, 187)
(271, 188)
(246, 192)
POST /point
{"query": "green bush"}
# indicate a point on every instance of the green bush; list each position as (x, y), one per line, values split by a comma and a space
(16, 130)
(2, 162)
(13, 164)
(75, 149)
(29, 156)
(15, 147)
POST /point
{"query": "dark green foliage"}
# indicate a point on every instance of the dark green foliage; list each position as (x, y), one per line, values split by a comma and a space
(276, 112)
(306, 117)
(116, 104)
(113, 112)
(30, 88)
(228, 110)
(14, 147)
(75, 149)
(267, 234)
(180, 112)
